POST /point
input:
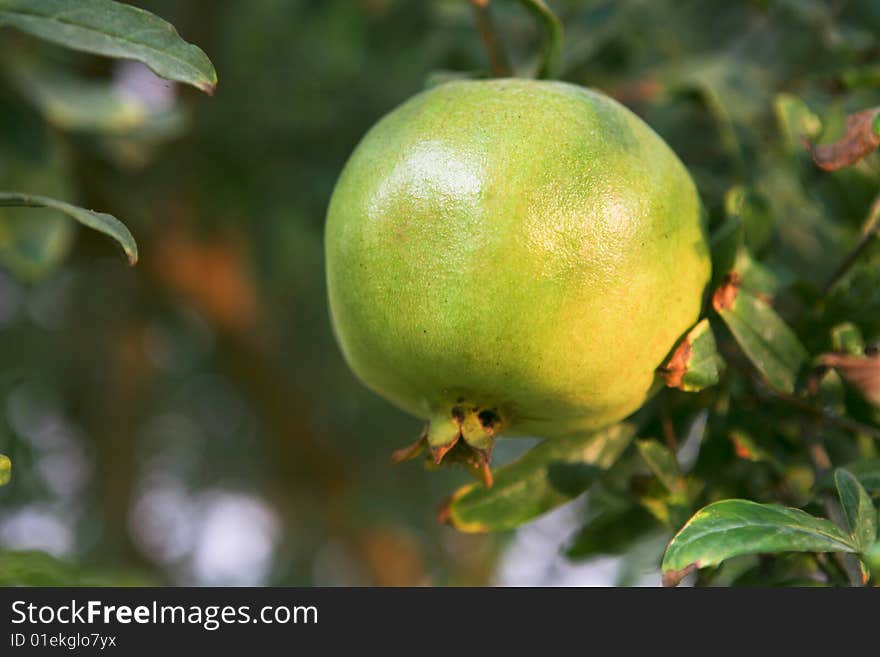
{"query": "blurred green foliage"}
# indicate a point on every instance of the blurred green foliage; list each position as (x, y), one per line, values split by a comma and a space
(165, 419)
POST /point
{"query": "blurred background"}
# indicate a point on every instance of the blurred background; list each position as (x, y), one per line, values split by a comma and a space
(191, 420)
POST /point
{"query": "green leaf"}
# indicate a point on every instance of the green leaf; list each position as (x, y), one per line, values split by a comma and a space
(764, 337)
(747, 449)
(725, 245)
(103, 223)
(733, 527)
(755, 213)
(36, 569)
(663, 464)
(695, 361)
(74, 104)
(861, 76)
(32, 242)
(796, 120)
(861, 516)
(5, 469)
(547, 476)
(867, 471)
(113, 29)
(755, 277)
(847, 338)
(611, 532)
(32, 568)
(872, 561)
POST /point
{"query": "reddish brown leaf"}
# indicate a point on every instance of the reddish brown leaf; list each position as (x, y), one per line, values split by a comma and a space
(439, 452)
(742, 450)
(410, 451)
(673, 577)
(677, 365)
(444, 513)
(727, 292)
(861, 372)
(859, 140)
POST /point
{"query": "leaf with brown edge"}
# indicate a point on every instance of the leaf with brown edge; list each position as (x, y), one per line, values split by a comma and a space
(796, 120)
(673, 577)
(412, 451)
(726, 293)
(861, 372)
(693, 365)
(764, 337)
(731, 528)
(862, 136)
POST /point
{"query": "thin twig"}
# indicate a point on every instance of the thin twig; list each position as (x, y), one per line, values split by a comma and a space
(869, 234)
(825, 415)
(491, 40)
(803, 405)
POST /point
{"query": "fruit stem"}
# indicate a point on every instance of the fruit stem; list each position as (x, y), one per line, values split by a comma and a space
(551, 53)
(465, 434)
(491, 40)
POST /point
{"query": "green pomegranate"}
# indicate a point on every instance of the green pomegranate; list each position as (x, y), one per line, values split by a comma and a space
(513, 255)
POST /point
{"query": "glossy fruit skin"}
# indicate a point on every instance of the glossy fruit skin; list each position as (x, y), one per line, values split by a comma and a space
(529, 247)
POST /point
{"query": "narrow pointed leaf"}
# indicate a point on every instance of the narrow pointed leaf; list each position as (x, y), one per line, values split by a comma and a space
(5, 469)
(662, 462)
(796, 120)
(547, 476)
(861, 516)
(753, 209)
(733, 527)
(113, 29)
(693, 365)
(103, 223)
(764, 337)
